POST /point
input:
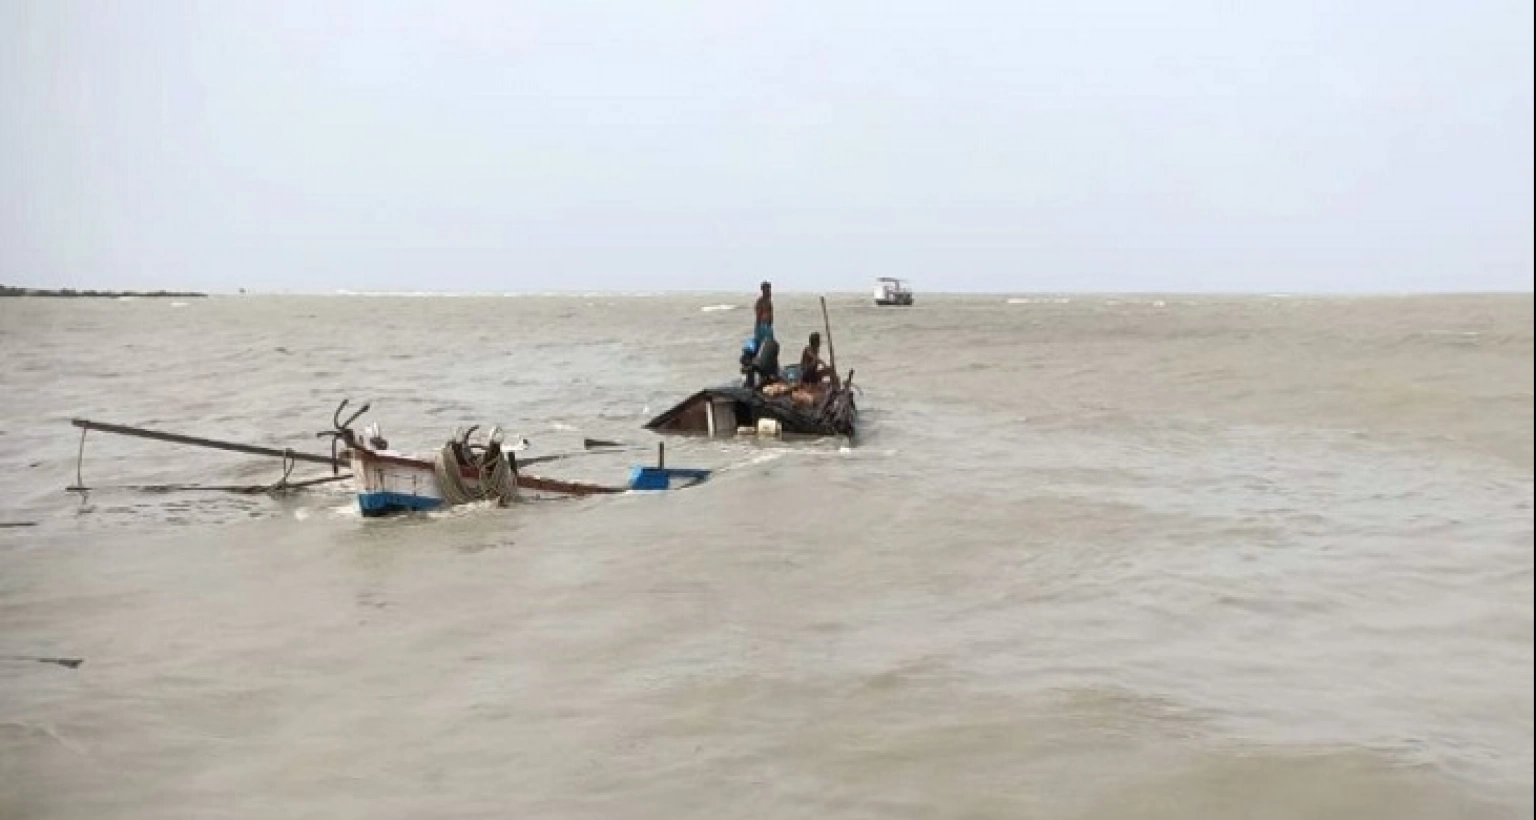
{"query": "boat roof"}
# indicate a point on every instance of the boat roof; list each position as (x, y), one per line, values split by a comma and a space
(890, 279)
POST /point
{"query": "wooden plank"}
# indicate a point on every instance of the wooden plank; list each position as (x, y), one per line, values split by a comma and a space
(553, 485)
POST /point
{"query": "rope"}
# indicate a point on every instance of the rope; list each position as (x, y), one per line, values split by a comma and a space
(282, 483)
(496, 479)
(80, 464)
(449, 479)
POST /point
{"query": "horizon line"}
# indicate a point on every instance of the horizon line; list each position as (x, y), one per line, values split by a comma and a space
(752, 292)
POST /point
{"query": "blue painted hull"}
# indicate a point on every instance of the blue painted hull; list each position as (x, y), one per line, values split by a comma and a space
(377, 504)
(661, 478)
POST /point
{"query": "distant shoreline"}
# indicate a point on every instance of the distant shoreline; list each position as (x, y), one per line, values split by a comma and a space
(71, 293)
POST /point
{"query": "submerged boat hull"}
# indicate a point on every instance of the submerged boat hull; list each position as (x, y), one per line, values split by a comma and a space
(387, 481)
(379, 504)
(390, 483)
(724, 411)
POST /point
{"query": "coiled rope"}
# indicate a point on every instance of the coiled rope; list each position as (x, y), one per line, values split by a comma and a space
(497, 482)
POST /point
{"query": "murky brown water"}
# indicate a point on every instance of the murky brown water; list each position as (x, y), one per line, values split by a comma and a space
(1093, 557)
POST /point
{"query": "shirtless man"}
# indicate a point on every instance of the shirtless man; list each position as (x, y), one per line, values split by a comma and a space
(812, 369)
(764, 328)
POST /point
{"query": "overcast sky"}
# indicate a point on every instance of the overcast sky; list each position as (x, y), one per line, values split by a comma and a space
(968, 144)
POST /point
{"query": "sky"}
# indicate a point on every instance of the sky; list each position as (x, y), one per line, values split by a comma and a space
(968, 145)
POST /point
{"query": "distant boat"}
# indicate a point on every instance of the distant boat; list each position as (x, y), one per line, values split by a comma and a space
(891, 292)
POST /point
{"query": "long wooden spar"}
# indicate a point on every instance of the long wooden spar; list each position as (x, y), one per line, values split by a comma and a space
(194, 441)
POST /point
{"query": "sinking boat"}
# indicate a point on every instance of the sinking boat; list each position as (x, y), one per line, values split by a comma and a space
(775, 411)
(465, 472)
(462, 472)
(386, 481)
(769, 402)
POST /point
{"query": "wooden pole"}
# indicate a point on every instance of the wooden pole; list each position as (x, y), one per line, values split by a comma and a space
(193, 441)
(67, 663)
(831, 351)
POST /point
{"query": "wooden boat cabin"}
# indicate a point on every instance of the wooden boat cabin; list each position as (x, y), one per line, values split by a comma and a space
(778, 409)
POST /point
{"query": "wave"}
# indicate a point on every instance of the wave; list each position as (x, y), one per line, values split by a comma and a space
(439, 294)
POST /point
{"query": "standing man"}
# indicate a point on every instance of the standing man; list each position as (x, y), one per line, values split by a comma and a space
(764, 329)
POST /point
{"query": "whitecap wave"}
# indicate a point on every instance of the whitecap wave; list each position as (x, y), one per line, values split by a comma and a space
(1025, 300)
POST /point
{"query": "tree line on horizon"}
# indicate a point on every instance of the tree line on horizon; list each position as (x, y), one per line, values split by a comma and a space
(71, 293)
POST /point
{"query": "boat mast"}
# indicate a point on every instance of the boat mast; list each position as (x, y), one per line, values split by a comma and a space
(831, 350)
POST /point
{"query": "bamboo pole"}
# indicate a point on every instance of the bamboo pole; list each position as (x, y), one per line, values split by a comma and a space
(67, 663)
(173, 438)
(831, 350)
